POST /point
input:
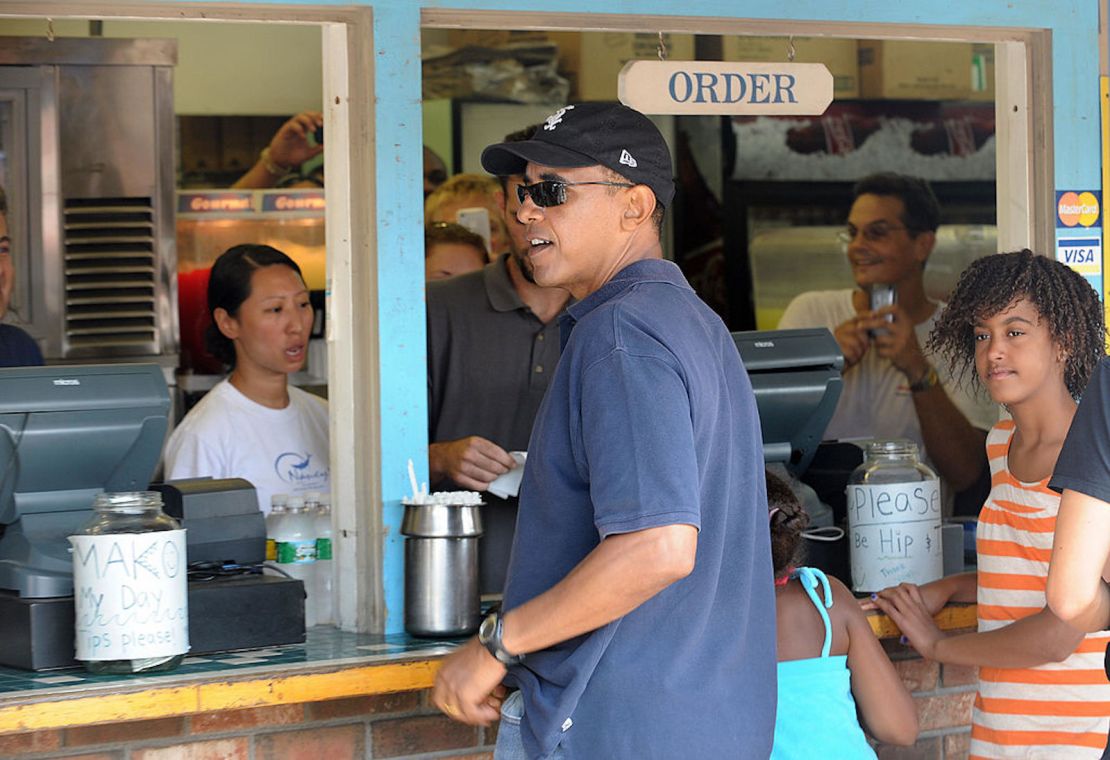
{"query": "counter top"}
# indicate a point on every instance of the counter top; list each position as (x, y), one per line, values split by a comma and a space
(329, 665)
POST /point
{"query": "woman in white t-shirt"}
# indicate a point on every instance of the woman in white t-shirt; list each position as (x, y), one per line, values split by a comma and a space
(253, 425)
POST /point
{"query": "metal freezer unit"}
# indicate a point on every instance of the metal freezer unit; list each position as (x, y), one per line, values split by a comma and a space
(87, 159)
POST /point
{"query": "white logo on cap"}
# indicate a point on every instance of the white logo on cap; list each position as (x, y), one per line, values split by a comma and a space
(555, 118)
(627, 159)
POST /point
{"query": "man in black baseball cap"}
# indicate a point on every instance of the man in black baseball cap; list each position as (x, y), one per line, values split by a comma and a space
(640, 583)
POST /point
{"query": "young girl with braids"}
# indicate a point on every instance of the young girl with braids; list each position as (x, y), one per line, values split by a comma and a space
(831, 666)
(1033, 331)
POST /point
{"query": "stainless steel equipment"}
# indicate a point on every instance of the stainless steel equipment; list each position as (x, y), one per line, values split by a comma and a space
(86, 157)
(441, 569)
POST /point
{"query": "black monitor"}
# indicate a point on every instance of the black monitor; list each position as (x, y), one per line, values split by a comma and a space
(796, 378)
(66, 434)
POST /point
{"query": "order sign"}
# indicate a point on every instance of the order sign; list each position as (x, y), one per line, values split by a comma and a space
(130, 595)
(725, 88)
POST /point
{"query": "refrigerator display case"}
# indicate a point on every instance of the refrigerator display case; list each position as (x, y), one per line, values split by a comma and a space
(211, 221)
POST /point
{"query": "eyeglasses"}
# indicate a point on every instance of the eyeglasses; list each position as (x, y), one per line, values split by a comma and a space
(873, 233)
(551, 192)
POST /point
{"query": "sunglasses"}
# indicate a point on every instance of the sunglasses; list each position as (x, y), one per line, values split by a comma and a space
(551, 192)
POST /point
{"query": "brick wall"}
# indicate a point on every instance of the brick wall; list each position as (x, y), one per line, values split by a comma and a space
(944, 695)
(405, 725)
(386, 726)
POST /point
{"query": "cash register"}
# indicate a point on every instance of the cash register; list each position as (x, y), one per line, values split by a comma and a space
(68, 433)
(796, 378)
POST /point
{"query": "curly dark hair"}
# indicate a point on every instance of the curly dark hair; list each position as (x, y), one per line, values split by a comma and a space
(787, 523)
(1060, 294)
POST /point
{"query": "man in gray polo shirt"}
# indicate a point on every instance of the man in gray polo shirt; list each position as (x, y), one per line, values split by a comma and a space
(493, 343)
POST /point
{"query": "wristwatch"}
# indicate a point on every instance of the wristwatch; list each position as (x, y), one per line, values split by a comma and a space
(926, 381)
(489, 636)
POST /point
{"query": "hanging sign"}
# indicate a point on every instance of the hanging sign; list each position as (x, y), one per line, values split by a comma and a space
(725, 88)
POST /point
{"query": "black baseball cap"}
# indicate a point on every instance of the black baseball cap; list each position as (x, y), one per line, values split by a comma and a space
(590, 134)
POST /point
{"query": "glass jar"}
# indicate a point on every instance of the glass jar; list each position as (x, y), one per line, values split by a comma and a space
(894, 518)
(130, 586)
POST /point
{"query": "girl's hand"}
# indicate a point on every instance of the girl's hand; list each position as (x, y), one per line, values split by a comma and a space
(907, 608)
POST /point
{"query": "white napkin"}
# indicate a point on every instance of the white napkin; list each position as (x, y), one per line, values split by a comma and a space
(509, 484)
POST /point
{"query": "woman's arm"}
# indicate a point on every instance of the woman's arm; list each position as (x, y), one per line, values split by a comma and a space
(885, 706)
(1034, 640)
(1077, 591)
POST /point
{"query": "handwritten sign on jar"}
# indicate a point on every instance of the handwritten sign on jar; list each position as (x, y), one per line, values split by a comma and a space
(894, 530)
(131, 595)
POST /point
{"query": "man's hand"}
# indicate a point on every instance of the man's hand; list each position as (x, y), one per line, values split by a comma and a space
(472, 462)
(853, 340)
(909, 611)
(468, 685)
(289, 146)
(897, 340)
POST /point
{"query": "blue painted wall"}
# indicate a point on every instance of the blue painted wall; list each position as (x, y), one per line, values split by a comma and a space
(1074, 26)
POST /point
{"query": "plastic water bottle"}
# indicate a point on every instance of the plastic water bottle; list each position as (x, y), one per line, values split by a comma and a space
(325, 568)
(277, 512)
(296, 552)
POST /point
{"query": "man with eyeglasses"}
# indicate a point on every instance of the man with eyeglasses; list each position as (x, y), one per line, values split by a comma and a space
(639, 607)
(893, 388)
(493, 344)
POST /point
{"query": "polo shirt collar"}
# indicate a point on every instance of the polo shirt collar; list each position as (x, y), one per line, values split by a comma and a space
(499, 287)
(645, 270)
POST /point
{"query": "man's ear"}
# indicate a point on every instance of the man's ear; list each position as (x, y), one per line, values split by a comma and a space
(226, 323)
(923, 246)
(639, 208)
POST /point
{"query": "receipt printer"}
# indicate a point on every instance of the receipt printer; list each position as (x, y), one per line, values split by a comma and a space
(221, 517)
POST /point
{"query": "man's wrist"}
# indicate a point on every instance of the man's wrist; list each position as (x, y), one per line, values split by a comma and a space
(270, 165)
(926, 379)
(490, 636)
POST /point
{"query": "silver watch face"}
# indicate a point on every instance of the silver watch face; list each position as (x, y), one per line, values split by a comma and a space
(486, 630)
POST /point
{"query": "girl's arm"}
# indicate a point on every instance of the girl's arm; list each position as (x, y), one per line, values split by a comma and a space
(885, 706)
(935, 594)
(1077, 589)
(1031, 641)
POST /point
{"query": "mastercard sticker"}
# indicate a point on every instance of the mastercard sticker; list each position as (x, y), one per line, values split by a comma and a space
(1077, 208)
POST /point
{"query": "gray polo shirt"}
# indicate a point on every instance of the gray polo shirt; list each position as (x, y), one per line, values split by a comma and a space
(490, 360)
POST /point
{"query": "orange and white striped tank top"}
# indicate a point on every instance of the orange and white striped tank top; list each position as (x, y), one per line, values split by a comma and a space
(1058, 710)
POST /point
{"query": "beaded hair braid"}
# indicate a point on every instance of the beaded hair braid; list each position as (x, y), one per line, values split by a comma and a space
(787, 523)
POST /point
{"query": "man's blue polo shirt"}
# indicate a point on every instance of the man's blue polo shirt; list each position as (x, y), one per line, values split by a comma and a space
(650, 421)
(17, 348)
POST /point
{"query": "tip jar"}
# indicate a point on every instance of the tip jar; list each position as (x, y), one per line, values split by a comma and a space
(130, 586)
(894, 518)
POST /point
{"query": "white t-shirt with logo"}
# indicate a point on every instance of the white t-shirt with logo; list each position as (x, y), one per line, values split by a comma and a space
(876, 401)
(226, 435)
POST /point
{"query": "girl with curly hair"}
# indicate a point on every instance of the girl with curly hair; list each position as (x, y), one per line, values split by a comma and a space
(1032, 329)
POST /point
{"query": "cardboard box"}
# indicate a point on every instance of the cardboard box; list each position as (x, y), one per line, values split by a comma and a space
(840, 56)
(982, 71)
(592, 60)
(458, 38)
(905, 70)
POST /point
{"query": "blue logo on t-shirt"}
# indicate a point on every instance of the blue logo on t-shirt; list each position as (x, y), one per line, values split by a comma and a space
(296, 469)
